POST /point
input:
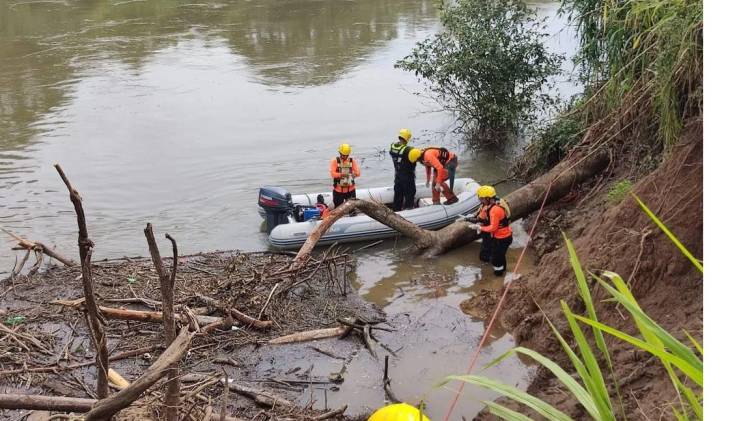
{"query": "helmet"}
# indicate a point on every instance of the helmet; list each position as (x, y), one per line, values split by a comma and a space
(398, 412)
(405, 134)
(486, 191)
(414, 155)
(345, 149)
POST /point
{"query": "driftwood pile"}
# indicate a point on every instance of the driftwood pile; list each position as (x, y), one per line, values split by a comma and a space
(102, 323)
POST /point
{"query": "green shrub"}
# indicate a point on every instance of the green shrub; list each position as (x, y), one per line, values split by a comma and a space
(619, 191)
(550, 146)
(489, 66)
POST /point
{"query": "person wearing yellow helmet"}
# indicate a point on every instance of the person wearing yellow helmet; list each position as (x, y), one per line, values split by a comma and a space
(343, 169)
(398, 412)
(404, 187)
(492, 222)
(440, 165)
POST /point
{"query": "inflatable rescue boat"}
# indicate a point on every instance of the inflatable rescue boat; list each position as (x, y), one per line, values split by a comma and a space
(291, 218)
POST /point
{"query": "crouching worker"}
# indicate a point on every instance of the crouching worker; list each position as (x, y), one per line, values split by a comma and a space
(343, 170)
(440, 166)
(322, 207)
(492, 222)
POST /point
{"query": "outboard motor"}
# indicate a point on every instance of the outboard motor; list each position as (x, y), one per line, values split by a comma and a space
(277, 204)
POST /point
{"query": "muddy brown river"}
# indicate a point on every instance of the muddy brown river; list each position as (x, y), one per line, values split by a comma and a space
(175, 112)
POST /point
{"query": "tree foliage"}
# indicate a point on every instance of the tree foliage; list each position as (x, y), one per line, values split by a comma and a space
(489, 66)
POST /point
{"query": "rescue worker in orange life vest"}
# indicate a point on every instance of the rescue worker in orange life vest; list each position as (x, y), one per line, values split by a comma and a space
(440, 166)
(493, 224)
(343, 170)
(404, 187)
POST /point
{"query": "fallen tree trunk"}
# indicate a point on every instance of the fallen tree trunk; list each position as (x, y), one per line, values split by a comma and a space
(522, 202)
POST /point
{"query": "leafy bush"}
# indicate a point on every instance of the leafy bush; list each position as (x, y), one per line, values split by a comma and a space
(488, 65)
(678, 359)
(550, 146)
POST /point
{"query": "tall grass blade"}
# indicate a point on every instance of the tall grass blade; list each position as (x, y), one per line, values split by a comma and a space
(598, 387)
(695, 343)
(648, 335)
(695, 404)
(689, 370)
(670, 342)
(583, 397)
(585, 293)
(669, 234)
(537, 405)
(505, 413)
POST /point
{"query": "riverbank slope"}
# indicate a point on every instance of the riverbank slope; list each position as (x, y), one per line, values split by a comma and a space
(613, 233)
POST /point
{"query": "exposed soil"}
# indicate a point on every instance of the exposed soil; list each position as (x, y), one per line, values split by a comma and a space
(45, 334)
(621, 238)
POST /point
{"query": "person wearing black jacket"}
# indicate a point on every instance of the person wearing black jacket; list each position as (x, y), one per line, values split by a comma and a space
(404, 187)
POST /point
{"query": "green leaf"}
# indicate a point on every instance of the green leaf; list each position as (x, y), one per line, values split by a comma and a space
(15, 320)
(583, 397)
(598, 388)
(131, 279)
(542, 408)
(505, 413)
(695, 343)
(669, 234)
(673, 345)
(694, 374)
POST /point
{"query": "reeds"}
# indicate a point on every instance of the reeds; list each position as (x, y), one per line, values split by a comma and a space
(655, 45)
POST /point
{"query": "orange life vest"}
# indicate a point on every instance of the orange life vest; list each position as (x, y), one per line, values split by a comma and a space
(484, 217)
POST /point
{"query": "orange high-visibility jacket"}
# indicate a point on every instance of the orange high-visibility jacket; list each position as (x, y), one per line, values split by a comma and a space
(431, 159)
(336, 174)
(499, 225)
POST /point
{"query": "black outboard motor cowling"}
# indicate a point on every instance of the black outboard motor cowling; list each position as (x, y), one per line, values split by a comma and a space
(277, 204)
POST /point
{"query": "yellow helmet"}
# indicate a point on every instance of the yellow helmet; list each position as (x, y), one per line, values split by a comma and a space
(486, 191)
(345, 149)
(414, 155)
(398, 412)
(405, 134)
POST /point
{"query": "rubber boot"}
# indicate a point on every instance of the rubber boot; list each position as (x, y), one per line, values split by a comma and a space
(448, 192)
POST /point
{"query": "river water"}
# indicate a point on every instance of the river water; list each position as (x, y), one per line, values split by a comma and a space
(175, 112)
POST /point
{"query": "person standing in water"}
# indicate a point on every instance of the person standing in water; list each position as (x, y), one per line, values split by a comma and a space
(493, 224)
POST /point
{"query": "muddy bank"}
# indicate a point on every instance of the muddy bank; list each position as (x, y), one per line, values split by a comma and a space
(43, 336)
(616, 236)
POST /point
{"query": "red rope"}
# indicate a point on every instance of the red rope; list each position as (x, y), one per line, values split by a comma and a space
(499, 306)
